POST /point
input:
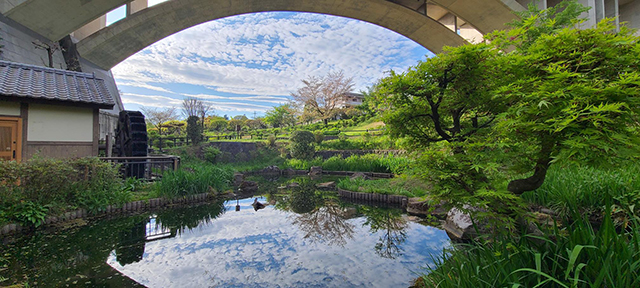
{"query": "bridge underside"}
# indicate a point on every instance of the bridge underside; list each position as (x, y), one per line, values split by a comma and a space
(420, 20)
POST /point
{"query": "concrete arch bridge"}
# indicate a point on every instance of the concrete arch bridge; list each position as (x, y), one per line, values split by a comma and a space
(431, 23)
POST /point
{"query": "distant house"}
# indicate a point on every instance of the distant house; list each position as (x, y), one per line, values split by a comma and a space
(49, 112)
(349, 100)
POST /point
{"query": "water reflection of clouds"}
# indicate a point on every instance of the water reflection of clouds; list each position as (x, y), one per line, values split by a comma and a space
(263, 249)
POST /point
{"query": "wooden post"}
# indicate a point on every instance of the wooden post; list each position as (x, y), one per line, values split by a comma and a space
(109, 149)
(176, 163)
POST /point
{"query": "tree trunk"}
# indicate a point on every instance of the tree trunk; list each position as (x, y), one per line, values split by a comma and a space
(534, 182)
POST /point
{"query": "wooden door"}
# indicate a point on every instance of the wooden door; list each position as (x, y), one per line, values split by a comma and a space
(10, 138)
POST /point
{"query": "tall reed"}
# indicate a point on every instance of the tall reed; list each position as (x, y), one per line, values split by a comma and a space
(192, 181)
(584, 190)
(578, 256)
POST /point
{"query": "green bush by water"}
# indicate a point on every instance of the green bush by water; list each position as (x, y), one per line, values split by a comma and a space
(33, 188)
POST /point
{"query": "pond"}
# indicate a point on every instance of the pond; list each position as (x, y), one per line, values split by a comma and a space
(304, 238)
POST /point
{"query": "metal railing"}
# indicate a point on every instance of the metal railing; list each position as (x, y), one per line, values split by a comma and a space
(145, 167)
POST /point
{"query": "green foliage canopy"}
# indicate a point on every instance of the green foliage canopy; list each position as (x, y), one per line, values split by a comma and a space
(558, 94)
(281, 116)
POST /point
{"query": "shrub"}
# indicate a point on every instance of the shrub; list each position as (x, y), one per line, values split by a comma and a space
(271, 141)
(319, 137)
(33, 187)
(211, 153)
(31, 213)
(302, 145)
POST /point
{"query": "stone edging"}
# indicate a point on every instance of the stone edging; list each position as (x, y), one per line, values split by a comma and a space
(374, 197)
(349, 173)
(141, 205)
(292, 172)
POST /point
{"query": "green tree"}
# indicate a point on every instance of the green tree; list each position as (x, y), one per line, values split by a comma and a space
(560, 94)
(281, 116)
(446, 98)
(215, 123)
(194, 129)
(575, 98)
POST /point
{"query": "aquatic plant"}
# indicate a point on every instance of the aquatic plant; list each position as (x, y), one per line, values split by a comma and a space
(193, 180)
(578, 256)
(580, 190)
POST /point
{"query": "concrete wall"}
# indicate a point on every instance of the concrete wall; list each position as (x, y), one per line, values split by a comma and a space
(9, 108)
(136, 6)
(630, 13)
(59, 123)
(233, 152)
(18, 46)
(90, 28)
(627, 10)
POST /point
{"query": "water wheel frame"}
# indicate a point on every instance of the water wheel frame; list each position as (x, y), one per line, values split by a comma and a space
(131, 141)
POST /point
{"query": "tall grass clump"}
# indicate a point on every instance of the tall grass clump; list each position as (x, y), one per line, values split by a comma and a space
(300, 164)
(398, 186)
(361, 163)
(584, 190)
(195, 180)
(578, 256)
(368, 163)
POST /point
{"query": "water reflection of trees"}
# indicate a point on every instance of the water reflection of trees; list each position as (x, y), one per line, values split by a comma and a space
(326, 224)
(186, 218)
(318, 214)
(323, 217)
(392, 225)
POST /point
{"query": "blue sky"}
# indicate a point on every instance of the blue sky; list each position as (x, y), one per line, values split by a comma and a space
(249, 63)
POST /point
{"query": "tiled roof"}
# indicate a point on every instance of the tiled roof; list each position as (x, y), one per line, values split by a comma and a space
(42, 83)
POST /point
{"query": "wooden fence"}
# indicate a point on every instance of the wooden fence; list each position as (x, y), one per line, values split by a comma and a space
(145, 167)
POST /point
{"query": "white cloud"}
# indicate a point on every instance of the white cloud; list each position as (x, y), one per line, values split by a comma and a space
(261, 98)
(146, 86)
(150, 100)
(219, 106)
(268, 54)
(265, 249)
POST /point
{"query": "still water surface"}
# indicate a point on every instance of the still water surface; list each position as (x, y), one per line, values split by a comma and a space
(308, 240)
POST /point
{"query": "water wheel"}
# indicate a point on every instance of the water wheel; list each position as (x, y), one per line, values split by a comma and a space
(131, 141)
